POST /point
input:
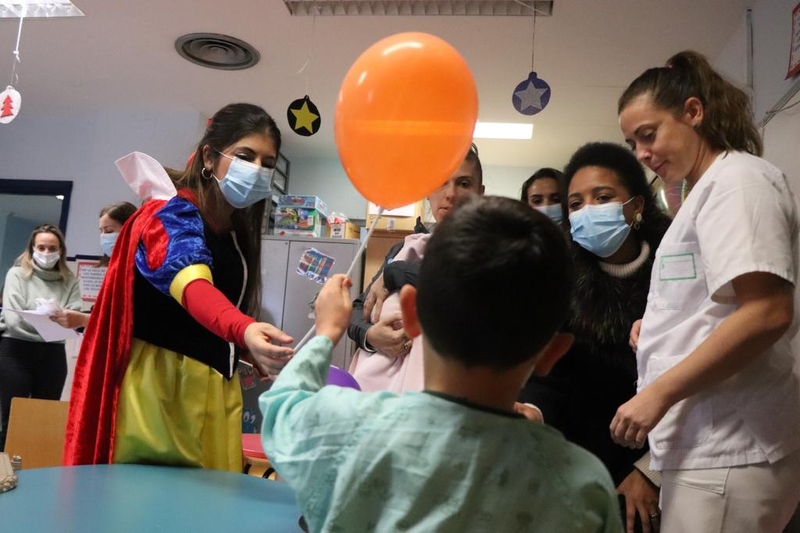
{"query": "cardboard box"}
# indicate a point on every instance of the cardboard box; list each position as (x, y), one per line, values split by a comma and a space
(307, 202)
(400, 219)
(346, 230)
(290, 220)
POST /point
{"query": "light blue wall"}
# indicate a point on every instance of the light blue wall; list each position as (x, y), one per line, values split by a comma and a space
(83, 148)
(326, 178)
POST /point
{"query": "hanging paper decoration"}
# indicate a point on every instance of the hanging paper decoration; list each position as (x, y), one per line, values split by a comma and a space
(10, 101)
(531, 96)
(303, 117)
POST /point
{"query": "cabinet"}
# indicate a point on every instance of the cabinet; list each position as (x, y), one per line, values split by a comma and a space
(287, 300)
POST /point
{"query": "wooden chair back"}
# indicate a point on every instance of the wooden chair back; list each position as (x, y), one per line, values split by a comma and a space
(36, 431)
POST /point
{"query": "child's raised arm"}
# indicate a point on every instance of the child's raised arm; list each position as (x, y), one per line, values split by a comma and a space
(292, 434)
(333, 306)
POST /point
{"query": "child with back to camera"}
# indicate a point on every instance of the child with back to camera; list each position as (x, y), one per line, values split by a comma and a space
(455, 457)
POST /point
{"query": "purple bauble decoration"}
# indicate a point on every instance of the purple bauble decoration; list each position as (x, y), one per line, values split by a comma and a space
(531, 96)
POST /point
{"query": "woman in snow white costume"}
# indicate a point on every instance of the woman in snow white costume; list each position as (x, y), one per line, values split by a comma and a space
(153, 382)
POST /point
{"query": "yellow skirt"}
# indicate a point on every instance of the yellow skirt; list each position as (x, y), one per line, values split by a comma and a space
(173, 410)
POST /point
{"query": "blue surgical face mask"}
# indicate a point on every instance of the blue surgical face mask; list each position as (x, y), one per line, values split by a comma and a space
(107, 241)
(246, 183)
(600, 229)
(552, 211)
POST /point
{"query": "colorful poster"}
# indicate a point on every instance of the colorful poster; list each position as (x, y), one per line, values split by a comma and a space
(315, 265)
(794, 49)
(90, 278)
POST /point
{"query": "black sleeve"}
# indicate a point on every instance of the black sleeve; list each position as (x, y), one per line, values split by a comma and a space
(357, 330)
(399, 273)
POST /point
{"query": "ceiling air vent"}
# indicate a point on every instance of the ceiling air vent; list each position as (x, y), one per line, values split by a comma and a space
(349, 8)
(214, 50)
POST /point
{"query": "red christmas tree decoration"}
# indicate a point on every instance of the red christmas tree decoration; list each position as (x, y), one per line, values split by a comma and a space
(10, 101)
(8, 107)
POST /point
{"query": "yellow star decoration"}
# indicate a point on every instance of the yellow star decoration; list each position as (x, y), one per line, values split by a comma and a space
(305, 118)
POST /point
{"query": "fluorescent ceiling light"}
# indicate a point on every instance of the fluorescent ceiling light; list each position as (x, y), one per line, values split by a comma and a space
(38, 9)
(542, 8)
(502, 130)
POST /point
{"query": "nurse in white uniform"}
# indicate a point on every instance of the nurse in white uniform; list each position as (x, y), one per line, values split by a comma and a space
(719, 385)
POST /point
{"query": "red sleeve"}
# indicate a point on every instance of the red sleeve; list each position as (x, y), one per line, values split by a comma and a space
(215, 312)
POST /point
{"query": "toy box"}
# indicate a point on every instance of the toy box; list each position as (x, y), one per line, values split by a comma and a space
(290, 220)
(308, 202)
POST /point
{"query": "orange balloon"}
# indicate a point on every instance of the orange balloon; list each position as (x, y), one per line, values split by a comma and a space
(405, 117)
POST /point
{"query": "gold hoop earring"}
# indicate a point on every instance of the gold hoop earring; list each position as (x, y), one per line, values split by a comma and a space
(210, 174)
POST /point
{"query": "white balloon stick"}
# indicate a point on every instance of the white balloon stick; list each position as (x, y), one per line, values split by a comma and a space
(349, 273)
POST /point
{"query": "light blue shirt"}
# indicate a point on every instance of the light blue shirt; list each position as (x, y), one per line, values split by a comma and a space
(422, 462)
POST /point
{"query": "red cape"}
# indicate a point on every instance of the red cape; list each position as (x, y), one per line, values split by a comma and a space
(105, 352)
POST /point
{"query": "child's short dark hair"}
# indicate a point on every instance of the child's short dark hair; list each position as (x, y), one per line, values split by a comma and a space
(495, 283)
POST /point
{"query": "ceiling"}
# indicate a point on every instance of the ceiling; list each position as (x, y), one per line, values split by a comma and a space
(122, 56)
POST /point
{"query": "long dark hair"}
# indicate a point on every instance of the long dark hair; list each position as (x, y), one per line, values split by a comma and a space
(544, 172)
(621, 161)
(728, 121)
(228, 125)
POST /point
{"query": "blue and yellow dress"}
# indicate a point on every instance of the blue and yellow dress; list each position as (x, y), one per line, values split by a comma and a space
(167, 395)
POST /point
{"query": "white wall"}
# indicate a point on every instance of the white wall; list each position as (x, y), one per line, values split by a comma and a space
(82, 148)
(732, 62)
(505, 181)
(772, 36)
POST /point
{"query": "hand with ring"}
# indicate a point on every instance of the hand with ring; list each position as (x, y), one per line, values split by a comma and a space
(641, 498)
(389, 337)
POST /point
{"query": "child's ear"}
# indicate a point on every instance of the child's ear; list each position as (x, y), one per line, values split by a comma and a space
(549, 356)
(408, 305)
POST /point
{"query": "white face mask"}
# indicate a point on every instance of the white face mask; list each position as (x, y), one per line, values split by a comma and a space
(45, 260)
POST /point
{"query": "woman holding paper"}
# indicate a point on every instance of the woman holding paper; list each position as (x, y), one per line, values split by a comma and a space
(29, 366)
(112, 218)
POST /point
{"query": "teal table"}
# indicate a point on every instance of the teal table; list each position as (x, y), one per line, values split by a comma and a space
(140, 498)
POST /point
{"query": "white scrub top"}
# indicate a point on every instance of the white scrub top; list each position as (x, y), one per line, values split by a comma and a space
(739, 218)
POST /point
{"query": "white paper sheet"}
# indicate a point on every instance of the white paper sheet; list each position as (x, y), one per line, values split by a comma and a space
(402, 211)
(49, 330)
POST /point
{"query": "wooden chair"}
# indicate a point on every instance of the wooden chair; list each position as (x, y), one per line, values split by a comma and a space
(36, 431)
